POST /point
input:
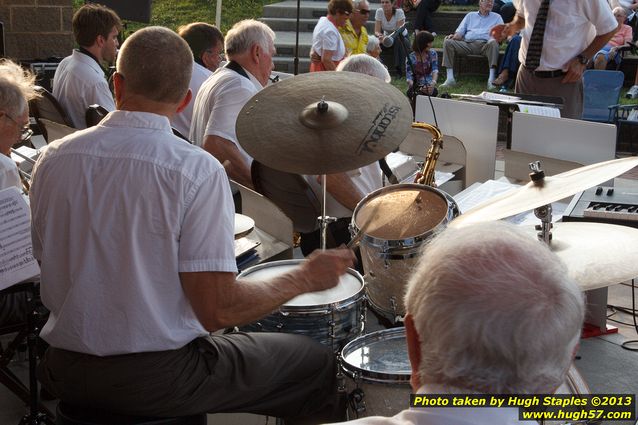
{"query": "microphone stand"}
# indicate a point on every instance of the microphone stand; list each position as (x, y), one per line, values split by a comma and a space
(402, 41)
(296, 60)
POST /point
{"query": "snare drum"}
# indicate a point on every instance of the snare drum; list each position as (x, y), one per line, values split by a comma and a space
(379, 369)
(401, 218)
(332, 317)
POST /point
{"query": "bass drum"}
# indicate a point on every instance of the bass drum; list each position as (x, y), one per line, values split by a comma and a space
(332, 317)
(378, 372)
(397, 220)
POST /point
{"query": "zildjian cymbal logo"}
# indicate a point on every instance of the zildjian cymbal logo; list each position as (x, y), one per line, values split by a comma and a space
(380, 123)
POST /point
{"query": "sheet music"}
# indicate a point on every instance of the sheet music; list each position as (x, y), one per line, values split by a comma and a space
(544, 111)
(16, 252)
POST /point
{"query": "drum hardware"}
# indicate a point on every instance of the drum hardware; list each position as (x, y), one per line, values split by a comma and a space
(544, 212)
(554, 188)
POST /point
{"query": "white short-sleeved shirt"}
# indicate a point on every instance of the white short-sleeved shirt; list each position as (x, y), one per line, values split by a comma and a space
(571, 26)
(218, 104)
(9, 175)
(366, 179)
(387, 26)
(182, 121)
(326, 36)
(78, 83)
(118, 211)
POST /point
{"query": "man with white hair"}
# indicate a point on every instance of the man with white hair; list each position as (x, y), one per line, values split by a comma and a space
(475, 305)
(16, 89)
(134, 230)
(250, 47)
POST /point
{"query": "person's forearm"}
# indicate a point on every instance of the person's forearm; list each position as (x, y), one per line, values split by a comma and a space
(341, 188)
(227, 153)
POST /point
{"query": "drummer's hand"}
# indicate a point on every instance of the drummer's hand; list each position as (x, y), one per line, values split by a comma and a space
(323, 268)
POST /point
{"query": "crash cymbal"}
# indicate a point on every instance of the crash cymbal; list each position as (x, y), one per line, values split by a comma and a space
(324, 122)
(596, 254)
(555, 188)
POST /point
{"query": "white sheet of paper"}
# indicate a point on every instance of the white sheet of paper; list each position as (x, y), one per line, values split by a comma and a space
(544, 111)
(16, 252)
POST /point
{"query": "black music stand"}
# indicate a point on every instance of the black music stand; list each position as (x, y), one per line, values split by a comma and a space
(38, 413)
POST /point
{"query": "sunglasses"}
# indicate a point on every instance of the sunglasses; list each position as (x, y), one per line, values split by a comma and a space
(363, 11)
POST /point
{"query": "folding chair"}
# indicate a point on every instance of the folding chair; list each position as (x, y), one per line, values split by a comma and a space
(601, 93)
(47, 106)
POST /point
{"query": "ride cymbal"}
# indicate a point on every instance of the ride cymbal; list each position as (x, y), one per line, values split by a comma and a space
(324, 122)
(596, 254)
(554, 188)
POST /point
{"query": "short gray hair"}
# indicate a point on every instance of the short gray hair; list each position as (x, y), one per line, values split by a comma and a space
(156, 64)
(17, 87)
(365, 64)
(373, 43)
(245, 34)
(495, 311)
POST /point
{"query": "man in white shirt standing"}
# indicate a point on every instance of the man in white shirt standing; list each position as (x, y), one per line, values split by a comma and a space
(207, 44)
(475, 305)
(79, 80)
(133, 227)
(250, 47)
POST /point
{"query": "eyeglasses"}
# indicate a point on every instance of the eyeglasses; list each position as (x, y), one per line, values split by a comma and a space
(220, 55)
(364, 11)
(25, 131)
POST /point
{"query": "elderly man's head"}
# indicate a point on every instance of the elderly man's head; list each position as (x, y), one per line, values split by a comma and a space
(485, 6)
(147, 74)
(365, 64)
(206, 43)
(360, 13)
(491, 309)
(16, 89)
(252, 44)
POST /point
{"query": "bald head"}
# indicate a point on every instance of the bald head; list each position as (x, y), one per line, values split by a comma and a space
(156, 64)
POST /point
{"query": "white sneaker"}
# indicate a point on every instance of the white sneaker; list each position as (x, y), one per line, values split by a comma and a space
(491, 86)
(448, 83)
(632, 93)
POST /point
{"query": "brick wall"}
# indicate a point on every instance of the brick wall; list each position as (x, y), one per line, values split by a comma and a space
(37, 29)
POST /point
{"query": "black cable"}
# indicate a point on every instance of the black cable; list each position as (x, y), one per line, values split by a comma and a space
(626, 344)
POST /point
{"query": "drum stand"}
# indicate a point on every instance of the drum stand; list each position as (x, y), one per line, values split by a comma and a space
(323, 219)
(544, 213)
(38, 414)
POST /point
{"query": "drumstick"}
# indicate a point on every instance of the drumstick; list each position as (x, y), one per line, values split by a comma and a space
(365, 227)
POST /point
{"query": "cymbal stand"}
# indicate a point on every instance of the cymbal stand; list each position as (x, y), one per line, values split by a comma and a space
(35, 416)
(324, 220)
(544, 213)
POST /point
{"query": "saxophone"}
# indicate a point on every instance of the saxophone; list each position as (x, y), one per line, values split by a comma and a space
(426, 175)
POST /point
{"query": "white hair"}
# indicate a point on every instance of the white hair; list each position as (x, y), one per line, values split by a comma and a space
(364, 64)
(16, 87)
(495, 311)
(245, 34)
(373, 43)
(619, 9)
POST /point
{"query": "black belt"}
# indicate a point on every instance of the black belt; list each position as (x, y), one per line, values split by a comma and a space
(547, 74)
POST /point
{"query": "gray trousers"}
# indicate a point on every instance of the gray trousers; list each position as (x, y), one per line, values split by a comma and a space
(572, 93)
(451, 48)
(275, 374)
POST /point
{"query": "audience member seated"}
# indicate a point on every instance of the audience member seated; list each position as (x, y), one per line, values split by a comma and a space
(250, 46)
(374, 47)
(345, 190)
(354, 32)
(387, 19)
(611, 51)
(424, 11)
(79, 80)
(475, 303)
(509, 65)
(134, 231)
(426, 66)
(328, 48)
(207, 44)
(505, 8)
(473, 37)
(16, 89)
(630, 7)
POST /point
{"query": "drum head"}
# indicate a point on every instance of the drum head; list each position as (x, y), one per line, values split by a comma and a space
(401, 211)
(349, 284)
(380, 356)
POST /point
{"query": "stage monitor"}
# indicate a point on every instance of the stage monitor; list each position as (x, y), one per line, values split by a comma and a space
(138, 10)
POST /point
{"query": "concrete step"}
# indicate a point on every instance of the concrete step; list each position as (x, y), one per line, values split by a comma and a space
(305, 25)
(285, 44)
(287, 64)
(288, 9)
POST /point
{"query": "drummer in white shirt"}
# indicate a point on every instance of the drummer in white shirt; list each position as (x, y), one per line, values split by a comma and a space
(485, 339)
